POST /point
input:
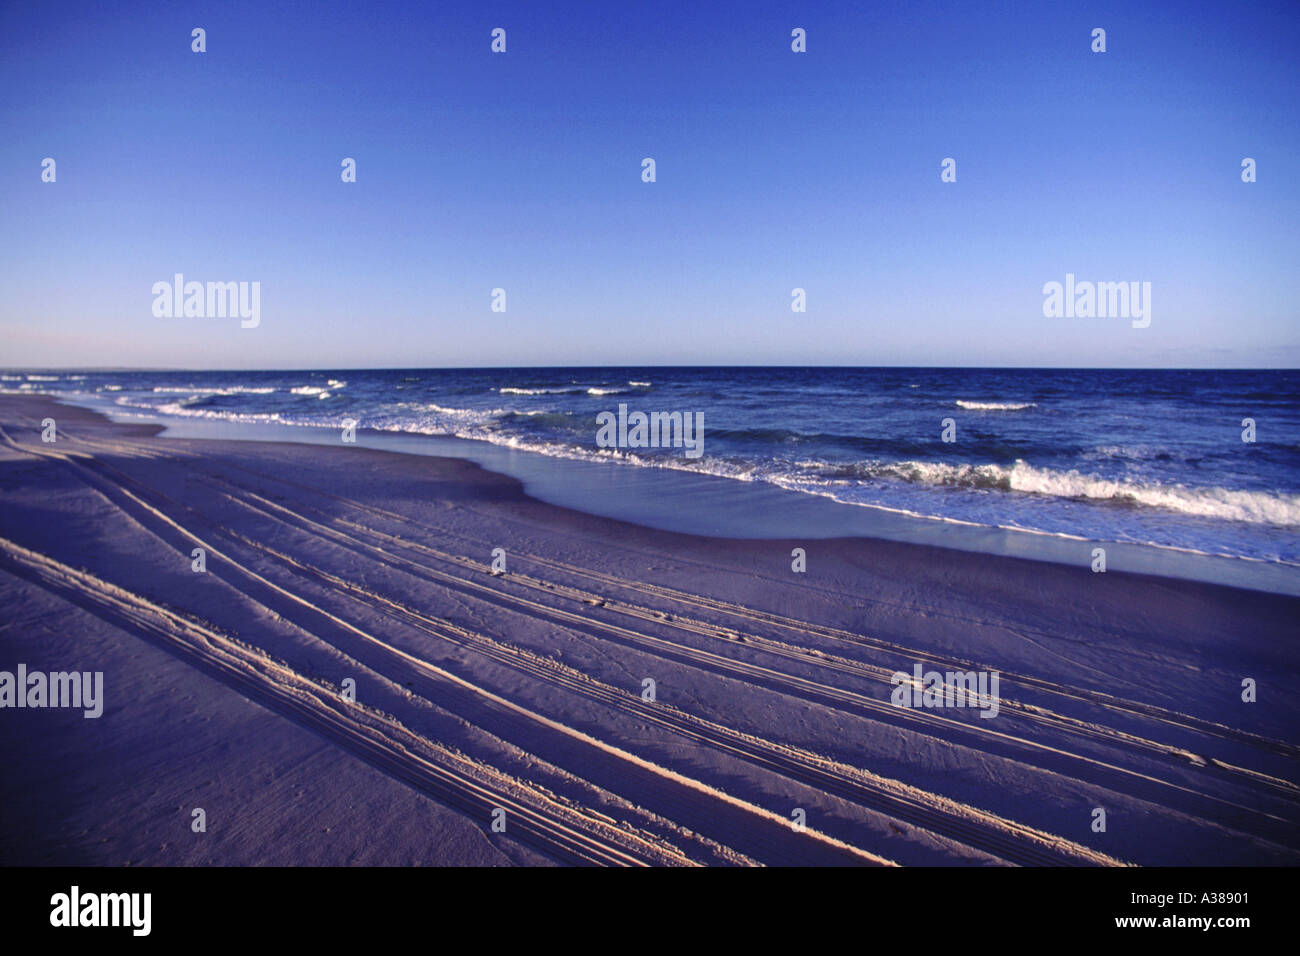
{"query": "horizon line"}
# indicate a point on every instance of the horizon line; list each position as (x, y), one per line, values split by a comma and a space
(470, 368)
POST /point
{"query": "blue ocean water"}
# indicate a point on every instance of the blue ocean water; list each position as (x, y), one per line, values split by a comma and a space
(1151, 457)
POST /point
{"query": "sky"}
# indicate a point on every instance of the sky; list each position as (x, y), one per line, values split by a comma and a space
(775, 170)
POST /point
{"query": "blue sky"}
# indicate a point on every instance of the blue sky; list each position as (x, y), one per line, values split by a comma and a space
(775, 170)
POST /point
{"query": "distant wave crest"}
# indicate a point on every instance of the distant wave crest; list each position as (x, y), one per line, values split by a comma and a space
(995, 406)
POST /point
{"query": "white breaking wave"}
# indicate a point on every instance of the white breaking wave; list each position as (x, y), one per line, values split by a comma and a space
(570, 390)
(211, 390)
(996, 406)
(475, 414)
(1254, 507)
(320, 391)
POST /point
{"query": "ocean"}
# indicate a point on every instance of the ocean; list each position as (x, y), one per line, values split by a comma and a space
(1139, 456)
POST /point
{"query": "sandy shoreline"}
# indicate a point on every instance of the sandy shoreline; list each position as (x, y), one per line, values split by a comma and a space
(709, 505)
(523, 691)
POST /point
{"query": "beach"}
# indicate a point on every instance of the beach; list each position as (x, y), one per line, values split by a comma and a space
(614, 694)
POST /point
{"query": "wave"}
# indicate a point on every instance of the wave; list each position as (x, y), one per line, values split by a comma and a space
(996, 406)
(1247, 506)
(570, 390)
(212, 390)
(511, 390)
(816, 463)
(1252, 507)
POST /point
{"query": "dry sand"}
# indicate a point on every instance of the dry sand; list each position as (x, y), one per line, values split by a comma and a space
(524, 691)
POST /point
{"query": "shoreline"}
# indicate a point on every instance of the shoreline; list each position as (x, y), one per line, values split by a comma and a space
(677, 500)
(525, 690)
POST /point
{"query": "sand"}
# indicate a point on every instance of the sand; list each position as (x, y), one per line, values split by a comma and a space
(521, 697)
